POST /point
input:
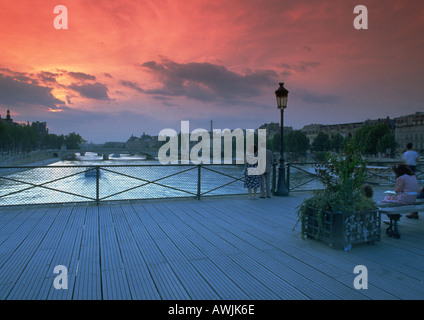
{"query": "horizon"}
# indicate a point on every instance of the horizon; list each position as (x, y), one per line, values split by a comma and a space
(161, 63)
(192, 128)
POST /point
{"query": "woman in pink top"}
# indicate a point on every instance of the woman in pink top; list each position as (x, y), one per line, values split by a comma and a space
(406, 186)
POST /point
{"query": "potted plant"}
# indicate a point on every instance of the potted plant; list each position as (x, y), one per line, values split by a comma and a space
(342, 213)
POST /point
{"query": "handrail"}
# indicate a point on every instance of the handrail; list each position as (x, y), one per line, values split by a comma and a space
(121, 182)
(68, 183)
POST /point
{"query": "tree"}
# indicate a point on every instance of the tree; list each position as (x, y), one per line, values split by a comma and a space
(274, 142)
(296, 142)
(321, 142)
(73, 141)
(52, 141)
(370, 138)
(337, 143)
(387, 142)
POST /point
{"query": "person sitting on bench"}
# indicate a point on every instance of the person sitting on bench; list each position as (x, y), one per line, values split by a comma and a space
(414, 215)
(405, 193)
(406, 186)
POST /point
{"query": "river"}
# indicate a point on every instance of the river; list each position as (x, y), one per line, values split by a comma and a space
(126, 177)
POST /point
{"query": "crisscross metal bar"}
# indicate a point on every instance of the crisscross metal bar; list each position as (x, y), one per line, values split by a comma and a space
(221, 186)
(315, 176)
(43, 185)
(147, 182)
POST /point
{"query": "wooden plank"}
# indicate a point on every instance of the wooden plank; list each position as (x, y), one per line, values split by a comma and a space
(193, 281)
(216, 248)
(14, 268)
(29, 284)
(167, 283)
(223, 286)
(114, 281)
(141, 284)
(88, 285)
(15, 231)
(67, 254)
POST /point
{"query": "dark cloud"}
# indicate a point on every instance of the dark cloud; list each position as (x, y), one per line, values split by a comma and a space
(47, 77)
(81, 76)
(302, 66)
(319, 98)
(132, 85)
(97, 91)
(208, 82)
(14, 91)
(18, 76)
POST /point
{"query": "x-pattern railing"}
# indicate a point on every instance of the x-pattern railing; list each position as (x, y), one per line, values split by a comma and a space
(41, 185)
(312, 176)
(145, 182)
(380, 174)
(127, 180)
(132, 177)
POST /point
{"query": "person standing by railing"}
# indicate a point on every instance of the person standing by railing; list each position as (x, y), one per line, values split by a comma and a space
(252, 181)
(266, 176)
(411, 157)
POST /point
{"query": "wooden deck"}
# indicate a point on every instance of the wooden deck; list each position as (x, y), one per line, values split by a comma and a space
(217, 248)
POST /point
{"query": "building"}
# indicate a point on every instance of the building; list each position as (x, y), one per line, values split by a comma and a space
(273, 128)
(8, 119)
(346, 130)
(410, 129)
(41, 127)
(406, 129)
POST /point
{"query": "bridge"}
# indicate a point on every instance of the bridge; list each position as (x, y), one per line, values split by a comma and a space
(222, 248)
(106, 152)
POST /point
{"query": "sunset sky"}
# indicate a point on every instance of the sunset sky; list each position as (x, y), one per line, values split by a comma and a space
(128, 67)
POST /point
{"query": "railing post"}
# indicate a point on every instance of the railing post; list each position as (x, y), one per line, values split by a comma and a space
(97, 185)
(199, 179)
(288, 177)
(274, 177)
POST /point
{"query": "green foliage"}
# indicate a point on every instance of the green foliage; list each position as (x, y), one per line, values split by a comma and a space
(336, 143)
(321, 142)
(24, 138)
(375, 138)
(73, 141)
(273, 143)
(18, 138)
(343, 177)
(296, 142)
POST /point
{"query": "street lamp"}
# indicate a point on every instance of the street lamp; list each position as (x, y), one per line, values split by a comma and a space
(281, 94)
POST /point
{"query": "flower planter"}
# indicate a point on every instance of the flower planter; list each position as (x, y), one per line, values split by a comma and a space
(342, 230)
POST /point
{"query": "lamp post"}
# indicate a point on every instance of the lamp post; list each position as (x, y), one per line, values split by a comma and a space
(281, 94)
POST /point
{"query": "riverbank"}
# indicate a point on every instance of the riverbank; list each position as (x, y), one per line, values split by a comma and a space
(32, 158)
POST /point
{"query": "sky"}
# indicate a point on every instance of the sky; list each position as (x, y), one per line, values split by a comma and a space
(126, 67)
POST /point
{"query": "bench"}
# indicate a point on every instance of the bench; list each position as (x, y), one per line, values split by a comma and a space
(395, 210)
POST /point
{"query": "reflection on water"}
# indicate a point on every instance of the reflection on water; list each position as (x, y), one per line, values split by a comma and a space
(120, 178)
(125, 177)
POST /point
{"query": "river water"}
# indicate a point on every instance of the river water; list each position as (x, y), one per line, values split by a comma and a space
(120, 178)
(126, 177)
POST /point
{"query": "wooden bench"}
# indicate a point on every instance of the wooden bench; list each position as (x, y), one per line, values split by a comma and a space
(395, 210)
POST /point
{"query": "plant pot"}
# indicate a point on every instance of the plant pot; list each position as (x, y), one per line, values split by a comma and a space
(341, 230)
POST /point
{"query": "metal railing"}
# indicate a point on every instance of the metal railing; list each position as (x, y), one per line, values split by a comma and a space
(302, 176)
(98, 183)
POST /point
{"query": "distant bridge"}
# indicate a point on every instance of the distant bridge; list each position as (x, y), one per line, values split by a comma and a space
(106, 152)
